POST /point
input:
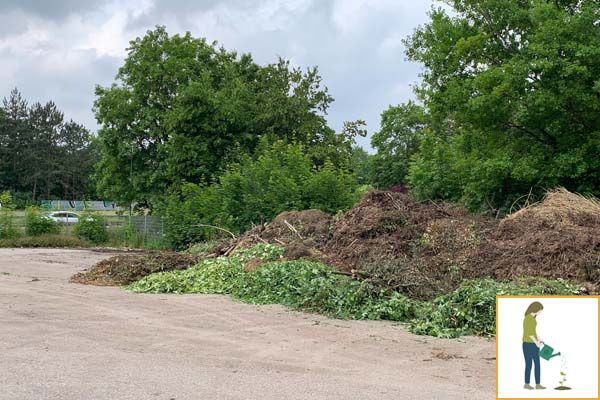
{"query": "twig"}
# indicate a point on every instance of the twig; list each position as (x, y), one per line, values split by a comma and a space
(291, 228)
(216, 227)
(259, 238)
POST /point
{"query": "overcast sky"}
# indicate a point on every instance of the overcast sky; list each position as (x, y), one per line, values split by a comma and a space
(59, 50)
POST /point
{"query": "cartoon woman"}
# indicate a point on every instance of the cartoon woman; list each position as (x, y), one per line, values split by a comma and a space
(532, 344)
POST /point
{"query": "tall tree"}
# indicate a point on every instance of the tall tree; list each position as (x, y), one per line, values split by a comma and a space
(513, 93)
(182, 109)
(41, 156)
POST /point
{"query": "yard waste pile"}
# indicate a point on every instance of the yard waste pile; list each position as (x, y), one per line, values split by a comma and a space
(127, 268)
(316, 287)
(395, 241)
(556, 238)
(388, 238)
(425, 249)
(303, 234)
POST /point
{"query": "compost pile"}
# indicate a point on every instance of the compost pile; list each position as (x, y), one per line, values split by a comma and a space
(388, 238)
(128, 268)
(556, 238)
(418, 248)
(304, 234)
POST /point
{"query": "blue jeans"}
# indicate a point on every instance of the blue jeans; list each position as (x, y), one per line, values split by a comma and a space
(532, 355)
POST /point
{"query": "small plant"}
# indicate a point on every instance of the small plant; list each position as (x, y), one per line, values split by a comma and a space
(37, 224)
(7, 208)
(91, 227)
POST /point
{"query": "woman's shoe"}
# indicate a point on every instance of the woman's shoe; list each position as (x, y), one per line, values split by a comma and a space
(528, 387)
(540, 387)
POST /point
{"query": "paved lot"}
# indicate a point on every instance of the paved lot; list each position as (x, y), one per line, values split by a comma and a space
(66, 341)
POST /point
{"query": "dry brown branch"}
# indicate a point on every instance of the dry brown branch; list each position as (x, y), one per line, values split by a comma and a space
(216, 227)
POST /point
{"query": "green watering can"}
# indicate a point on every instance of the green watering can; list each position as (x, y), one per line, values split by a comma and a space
(546, 352)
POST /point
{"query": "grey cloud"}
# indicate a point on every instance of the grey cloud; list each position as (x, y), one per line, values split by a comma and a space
(53, 10)
(359, 54)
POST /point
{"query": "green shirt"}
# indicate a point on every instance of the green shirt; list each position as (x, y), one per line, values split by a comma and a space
(529, 324)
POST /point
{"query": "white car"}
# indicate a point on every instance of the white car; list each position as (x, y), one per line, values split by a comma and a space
(64, 217)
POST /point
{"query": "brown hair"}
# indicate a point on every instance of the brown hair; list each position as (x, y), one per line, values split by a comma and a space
(534, 307)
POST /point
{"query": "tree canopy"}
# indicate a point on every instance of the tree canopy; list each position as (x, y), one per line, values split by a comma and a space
(396, 142)
(182, 109)
(41, 154)
(512, 93)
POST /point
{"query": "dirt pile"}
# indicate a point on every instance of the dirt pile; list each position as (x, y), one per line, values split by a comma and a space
(420, 248)
(128, 268)
(556, 238)
(303, 234)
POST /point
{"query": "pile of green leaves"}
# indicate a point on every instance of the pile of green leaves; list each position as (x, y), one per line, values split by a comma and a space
(471, 308)
(298, 284)
(315, 287)
(37, 224)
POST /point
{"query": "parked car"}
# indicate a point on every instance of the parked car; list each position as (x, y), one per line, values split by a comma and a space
(64, 217)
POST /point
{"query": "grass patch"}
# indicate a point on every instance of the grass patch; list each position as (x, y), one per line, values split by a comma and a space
(315, 287)
(59, 241)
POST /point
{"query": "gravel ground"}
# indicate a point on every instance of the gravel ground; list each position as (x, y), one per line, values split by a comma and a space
(60, 340)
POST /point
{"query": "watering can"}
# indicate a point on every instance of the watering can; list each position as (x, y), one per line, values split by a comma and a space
(546, 352)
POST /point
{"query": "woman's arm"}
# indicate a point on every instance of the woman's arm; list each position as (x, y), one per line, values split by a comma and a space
(536, 340)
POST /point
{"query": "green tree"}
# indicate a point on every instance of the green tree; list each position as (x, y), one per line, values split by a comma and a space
(396, 142)
(183, 109)
(41, 156)
(512, 92)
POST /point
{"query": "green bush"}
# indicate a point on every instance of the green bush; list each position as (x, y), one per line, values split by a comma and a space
(281, 177)
(471, 308)
(49, 241)
(91, 227)
(38, 224)
(185, 213)
(7, 208)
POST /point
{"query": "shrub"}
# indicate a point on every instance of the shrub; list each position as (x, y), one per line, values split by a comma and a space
(281, 177)
(37, 224)
(91, 227)
(60, 241)
(186, 211)
(7, 208)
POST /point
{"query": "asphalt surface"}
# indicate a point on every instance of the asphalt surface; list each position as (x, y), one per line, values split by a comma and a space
(60, 340)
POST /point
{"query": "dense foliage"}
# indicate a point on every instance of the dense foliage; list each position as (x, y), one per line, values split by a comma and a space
(42, 156)
(281, 177)
(182, 110)
(315, 287)
(37, 224)
(511, 94)
(396, 142)
(91, 227)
